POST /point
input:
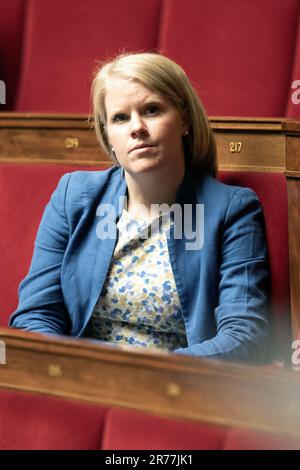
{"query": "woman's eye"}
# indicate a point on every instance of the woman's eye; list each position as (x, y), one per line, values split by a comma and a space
(153, 109)
(119, 118)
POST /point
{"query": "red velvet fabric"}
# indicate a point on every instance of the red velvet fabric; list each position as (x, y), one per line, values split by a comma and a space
(38, 422)
(293, 104)
(238, 54)
(271, 190)
(30, 421)
(24, 192)
(63, 41)
(11, 34)
(127, 429)
(242, 57)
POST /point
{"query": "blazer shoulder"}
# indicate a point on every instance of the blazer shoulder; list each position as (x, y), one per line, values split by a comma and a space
(225, 192)
(89, 181)
(79, 190)
(90, 184)
(223, 200)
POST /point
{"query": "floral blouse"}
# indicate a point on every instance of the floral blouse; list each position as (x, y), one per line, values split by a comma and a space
(139, 304)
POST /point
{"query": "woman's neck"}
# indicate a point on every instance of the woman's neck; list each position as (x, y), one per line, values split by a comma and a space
(147, 191)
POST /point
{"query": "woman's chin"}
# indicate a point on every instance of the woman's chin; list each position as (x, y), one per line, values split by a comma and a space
(146, 165)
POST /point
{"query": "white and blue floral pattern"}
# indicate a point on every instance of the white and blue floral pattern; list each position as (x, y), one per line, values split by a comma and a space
(139, 304)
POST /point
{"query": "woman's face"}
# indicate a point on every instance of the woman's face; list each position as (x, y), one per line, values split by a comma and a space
(143, 127)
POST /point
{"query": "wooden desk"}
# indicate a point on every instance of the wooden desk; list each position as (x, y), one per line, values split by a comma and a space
(170, 385)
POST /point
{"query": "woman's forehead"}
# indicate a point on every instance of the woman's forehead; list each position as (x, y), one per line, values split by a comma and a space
(121, 90)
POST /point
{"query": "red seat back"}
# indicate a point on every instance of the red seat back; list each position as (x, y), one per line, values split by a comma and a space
(24, 191)
(127, 429)
(271, 190)
(11, 35)
(293, 105)
(242, 56)
(239, 55)
(37, 422)
(64, 39)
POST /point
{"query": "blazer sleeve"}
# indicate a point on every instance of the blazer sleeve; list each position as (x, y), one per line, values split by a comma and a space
(41, 306)
(241, 315)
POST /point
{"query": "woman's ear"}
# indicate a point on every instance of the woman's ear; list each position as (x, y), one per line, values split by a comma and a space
(185, 122)
(185, 128)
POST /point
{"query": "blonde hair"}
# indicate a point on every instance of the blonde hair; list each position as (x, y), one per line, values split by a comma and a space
(162, 75)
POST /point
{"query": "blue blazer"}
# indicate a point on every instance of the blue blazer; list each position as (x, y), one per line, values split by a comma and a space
(222, 286)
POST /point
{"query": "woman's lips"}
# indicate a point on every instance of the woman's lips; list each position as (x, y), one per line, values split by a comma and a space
(141, 147)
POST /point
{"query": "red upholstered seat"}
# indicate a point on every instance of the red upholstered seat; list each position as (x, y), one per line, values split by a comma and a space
(11, 32)
(39, 422)
(127, 429)
(271, 190)
(64, 39)
(30, 421)
(238, 54)
(24, 192)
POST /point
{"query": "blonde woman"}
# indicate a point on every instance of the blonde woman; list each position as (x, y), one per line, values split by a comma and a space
(153, 252)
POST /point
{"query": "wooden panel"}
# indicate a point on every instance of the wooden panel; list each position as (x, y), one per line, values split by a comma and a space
(49, 139)
(165, 384)
(74, 146)
(293, 154)
(293, 187)
(252, 144)
(250, 151)
(45, 138)
(245, 124)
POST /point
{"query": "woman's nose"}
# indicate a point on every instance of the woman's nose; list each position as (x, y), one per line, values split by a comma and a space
(138, 126)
